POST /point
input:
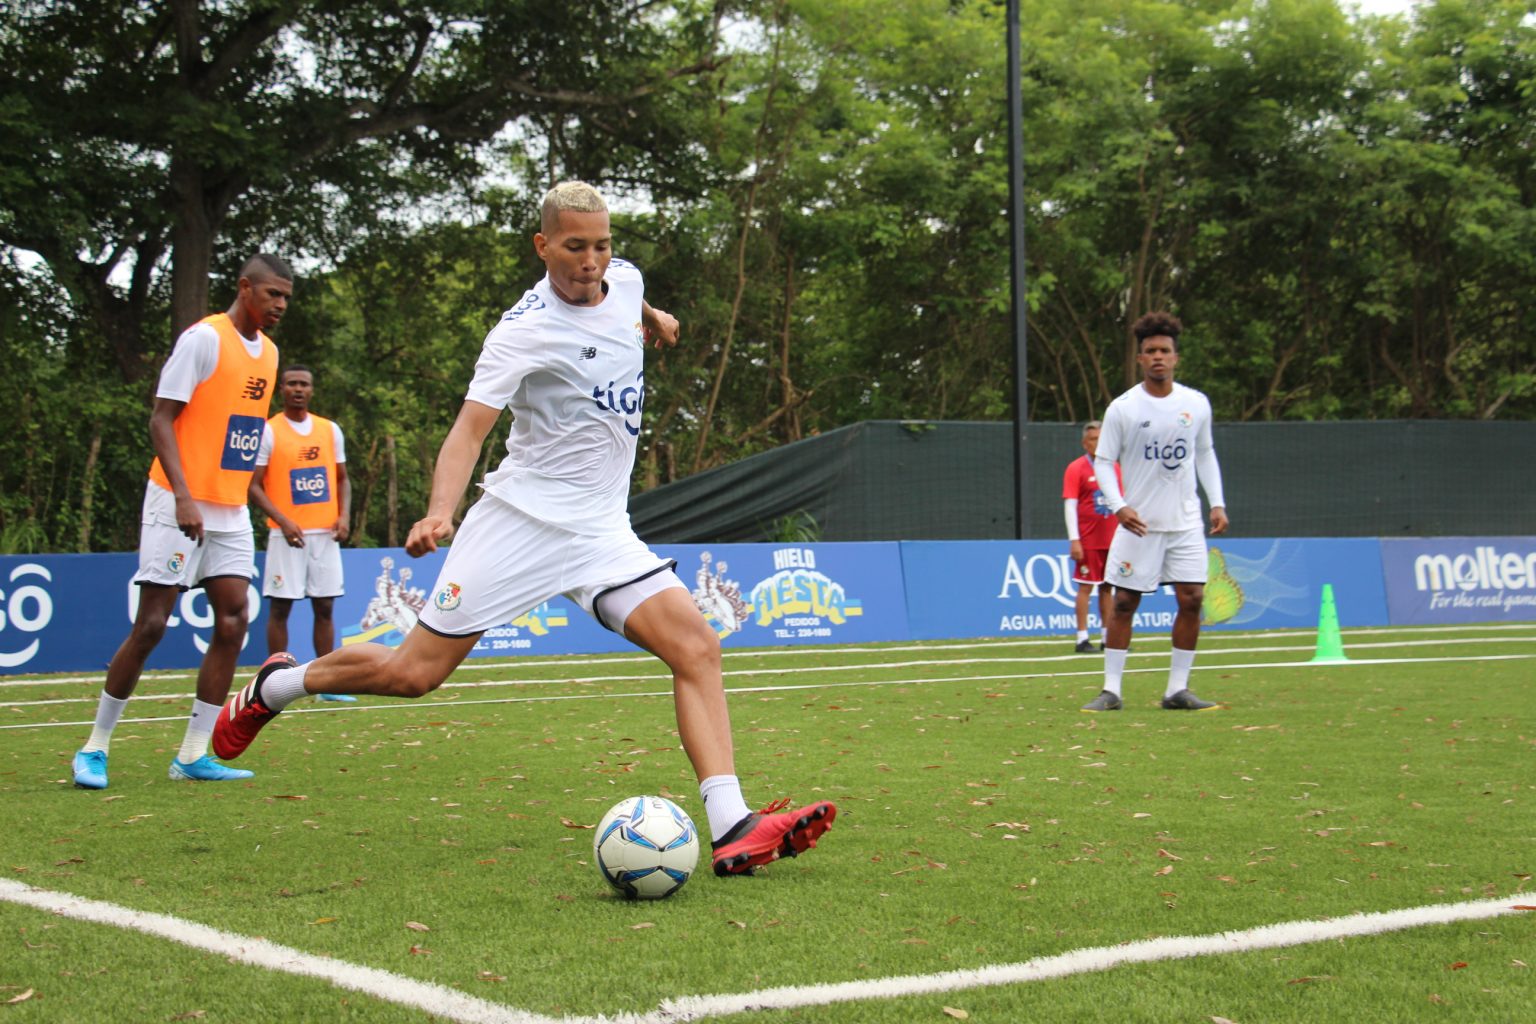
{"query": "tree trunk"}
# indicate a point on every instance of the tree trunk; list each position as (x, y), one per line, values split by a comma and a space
(191, 247)
(391, 529)
(87, 496)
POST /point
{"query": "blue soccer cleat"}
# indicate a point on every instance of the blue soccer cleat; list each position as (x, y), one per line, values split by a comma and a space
(206, 769)
(338, 698)
(91, 769)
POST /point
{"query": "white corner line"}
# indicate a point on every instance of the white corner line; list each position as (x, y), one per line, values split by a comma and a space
(441, 1001)
(1082, 961)
(437, 1000)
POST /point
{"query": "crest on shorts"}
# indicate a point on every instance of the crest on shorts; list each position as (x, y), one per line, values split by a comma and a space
(177, 562)
(277, 581)
(1124, 569)
(448, 598)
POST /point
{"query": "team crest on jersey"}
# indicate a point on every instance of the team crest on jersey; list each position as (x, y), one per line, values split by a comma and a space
(177, 562)
(448, 598)
(1185, 419)
(640, 334)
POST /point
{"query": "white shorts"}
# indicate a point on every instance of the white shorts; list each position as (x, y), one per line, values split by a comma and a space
(313, 570)
(170, 558)
(1145, 563)
(503, 563)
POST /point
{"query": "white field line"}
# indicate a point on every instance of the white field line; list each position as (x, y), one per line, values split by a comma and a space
(433, 999)
(806, 650)
(661, 676)
(440, 1001)
(1082, 961)
(733, 690)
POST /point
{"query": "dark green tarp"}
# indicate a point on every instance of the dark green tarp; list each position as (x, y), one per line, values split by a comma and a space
(893, 480)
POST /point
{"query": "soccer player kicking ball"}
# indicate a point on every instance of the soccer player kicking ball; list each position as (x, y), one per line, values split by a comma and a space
(1160, 434)
(568, 360)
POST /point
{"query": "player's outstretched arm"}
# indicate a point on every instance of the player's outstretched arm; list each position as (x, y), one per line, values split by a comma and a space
(661, 327)
(455, 463)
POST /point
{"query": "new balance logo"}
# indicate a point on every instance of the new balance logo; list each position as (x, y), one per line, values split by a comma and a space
(309, 454)
(589, 353)
(1145, 424)
(255, 388)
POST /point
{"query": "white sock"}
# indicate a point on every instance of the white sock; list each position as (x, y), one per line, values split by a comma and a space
(1114, 667)
(284, 686)
(1082, 635)
(199, 731)
(723, 803)
(1178, 671)
(108, 710)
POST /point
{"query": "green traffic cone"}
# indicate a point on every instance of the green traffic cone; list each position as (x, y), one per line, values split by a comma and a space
(1330, 645)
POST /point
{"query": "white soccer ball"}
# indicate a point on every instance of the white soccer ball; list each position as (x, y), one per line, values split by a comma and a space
(646, 847)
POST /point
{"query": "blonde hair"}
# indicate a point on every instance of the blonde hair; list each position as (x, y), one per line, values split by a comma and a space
(577, 196)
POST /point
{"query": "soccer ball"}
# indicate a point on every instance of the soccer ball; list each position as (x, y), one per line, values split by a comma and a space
(646, 847)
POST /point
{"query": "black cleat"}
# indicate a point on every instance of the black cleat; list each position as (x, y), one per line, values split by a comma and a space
(1186, 701)
(1086, 647)
(1105, 701)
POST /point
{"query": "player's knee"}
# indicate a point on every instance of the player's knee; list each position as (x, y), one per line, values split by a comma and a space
(148, 630)
(696, 649)
(412, 680)
(1191, 603)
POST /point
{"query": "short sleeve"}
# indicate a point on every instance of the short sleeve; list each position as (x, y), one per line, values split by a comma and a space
(264, 453)
(340, 441)
(507, 356)
(192, 361)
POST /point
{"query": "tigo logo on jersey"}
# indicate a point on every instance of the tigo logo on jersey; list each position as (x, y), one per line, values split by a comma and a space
(1185, 419)
(242, 440)
(626, 402)
(309, 486)
(448, 598)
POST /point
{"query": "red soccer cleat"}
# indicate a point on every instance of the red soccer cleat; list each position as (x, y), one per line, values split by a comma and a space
(245, 714)
(771, 833)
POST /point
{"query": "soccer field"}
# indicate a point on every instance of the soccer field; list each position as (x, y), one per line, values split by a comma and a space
(1337, 842)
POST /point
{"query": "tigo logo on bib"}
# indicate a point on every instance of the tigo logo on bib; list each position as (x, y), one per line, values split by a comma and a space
(242, 439)
(309, 486)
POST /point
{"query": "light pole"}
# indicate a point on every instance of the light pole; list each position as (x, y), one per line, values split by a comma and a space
(1017, 271)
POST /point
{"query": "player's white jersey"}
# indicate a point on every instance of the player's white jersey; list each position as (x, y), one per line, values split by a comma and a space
(574, 378)
(1158, 442)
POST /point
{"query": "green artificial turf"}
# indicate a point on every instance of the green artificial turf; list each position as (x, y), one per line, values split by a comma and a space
(982, 820)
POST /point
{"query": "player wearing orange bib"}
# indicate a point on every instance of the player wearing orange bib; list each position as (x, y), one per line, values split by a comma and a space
(210, 407)
(301, 484)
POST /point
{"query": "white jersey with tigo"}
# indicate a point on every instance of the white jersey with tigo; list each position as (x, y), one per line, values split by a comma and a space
(574, 378)
(1160, 444)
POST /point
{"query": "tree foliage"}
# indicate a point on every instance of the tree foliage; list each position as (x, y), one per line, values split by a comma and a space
(1340, 208)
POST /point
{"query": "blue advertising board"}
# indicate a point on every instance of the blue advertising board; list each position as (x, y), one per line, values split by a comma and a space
(1460, 579)
(70, 612)
(1010, 588)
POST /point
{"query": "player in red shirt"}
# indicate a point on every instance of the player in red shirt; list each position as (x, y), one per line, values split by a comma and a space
(1090, 527)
